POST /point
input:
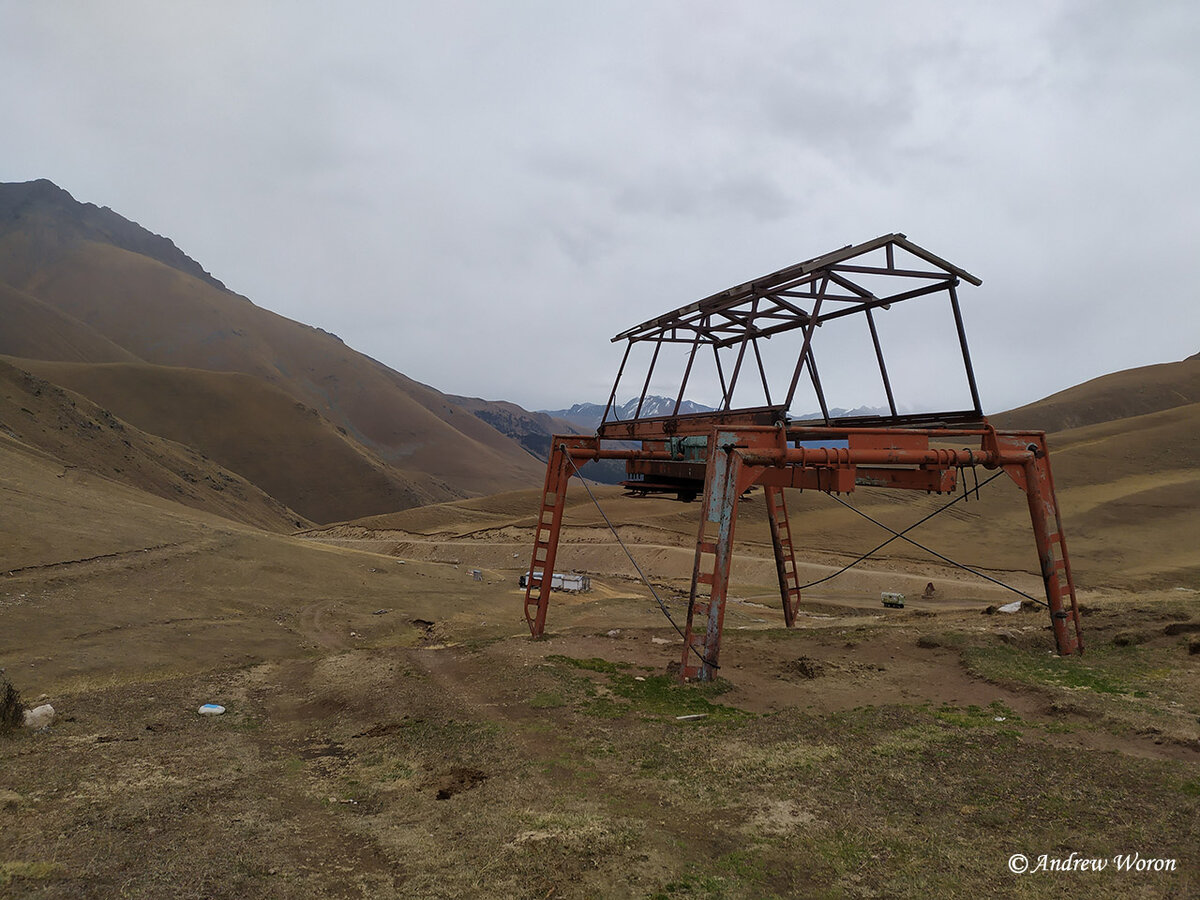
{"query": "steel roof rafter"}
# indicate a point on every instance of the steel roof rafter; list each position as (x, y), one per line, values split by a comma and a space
(846, 282)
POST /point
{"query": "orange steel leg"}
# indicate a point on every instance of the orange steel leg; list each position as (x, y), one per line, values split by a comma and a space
(785, 553)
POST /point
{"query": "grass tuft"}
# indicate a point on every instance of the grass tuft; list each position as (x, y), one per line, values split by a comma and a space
(12, 708)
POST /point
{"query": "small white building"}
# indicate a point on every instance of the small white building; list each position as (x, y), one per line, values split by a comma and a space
(560, 581)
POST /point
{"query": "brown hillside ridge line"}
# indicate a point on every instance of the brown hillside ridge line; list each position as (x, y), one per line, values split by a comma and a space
(1121, 395)
(251, 427)
(33, 329)
(87, 442)
(162, 309)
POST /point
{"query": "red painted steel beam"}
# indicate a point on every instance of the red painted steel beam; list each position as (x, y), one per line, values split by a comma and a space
(840, 457)
(942, 481)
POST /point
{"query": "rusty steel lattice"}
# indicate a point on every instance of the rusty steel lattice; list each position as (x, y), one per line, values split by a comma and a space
(724, 452)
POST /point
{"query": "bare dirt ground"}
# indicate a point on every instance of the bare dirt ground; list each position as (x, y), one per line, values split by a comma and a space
(393, 732)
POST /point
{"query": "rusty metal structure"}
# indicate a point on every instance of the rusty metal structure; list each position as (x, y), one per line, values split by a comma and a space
(720, 454)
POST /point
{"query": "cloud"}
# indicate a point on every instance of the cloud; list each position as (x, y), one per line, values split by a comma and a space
(481, 194)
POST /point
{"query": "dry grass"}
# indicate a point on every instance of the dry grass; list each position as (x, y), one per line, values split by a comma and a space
(12, 708)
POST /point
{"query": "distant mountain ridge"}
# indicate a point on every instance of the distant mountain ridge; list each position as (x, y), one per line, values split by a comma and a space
(587, 416)
(43, 206)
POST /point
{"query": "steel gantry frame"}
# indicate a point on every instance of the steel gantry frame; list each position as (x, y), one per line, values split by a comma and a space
(726, 451)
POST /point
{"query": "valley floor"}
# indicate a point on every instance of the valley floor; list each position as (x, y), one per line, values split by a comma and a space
(393, 732)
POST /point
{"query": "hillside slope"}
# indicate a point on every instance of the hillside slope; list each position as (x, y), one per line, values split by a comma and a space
(33, 329)
(42, 421)
(252, 428)
(166, 311)
(1120, 395)
(532, 430)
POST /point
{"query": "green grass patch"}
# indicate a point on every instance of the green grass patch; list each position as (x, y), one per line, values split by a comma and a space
(662, 695)
(1005, 663)
(993, 714)
(30, 871)
(625, 692)
(594, 664)
(547, 700)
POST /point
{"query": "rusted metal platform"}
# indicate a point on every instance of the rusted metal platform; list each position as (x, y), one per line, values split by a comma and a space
(723, 453)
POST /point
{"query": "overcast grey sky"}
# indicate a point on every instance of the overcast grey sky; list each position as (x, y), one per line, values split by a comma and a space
(481, 194)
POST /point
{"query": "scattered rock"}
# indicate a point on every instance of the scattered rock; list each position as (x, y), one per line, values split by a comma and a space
(616, 632)
(39, 717)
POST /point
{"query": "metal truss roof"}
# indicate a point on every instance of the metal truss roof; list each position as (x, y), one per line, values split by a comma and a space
(855, 280)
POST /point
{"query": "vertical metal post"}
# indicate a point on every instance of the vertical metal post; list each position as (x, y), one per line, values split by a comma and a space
(762, 372)
(645, 387)
(806, 349)
(720, 509)
(612, 398)
(733, 377)
(720, 375)
(816, 382)
(887, 385)
(687, 372)
(545, 544)
(966, 354)
(1056, 570)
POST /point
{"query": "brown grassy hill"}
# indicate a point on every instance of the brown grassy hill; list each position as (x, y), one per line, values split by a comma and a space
(1132, 392)
(47, 220)
(252, 428)
(532, 430)
(164, 312)
(86, 443)
(33, 329)
(1129, 492)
